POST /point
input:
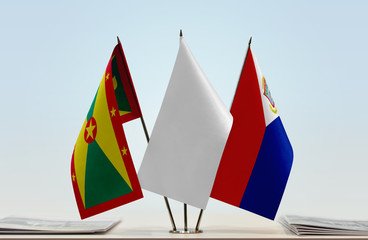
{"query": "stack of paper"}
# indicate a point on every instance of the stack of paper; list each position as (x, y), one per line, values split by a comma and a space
(42, 226)
(322, 226)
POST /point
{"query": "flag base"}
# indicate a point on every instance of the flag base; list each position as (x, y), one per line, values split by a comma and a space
(182, 231)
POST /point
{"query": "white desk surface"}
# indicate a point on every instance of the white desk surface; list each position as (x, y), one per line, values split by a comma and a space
(219, 226)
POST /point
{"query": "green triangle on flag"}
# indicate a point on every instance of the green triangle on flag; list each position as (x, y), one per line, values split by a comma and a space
(103, 182)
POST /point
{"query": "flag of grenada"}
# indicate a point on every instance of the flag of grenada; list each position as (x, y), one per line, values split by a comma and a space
(102, 170)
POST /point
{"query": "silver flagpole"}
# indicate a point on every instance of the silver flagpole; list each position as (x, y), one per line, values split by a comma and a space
(170, 213)
(185, 218)
(199, 220)
(185, 205)
(147, 138)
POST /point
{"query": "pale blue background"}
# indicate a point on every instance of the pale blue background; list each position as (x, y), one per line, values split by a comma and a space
(312, 53)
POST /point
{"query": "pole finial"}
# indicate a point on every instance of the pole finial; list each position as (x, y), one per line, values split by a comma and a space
(250, 41)
(118, 39)
(181, 33)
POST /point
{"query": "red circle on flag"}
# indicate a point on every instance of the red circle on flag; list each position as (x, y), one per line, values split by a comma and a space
(90, 131)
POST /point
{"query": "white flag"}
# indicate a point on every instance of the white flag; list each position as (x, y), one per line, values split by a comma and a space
(188, 138)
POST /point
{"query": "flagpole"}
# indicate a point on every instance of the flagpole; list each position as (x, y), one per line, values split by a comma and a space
(185, 205)
(145, 128)
(185, 218)
(249, 43)
(147, 138)
(170, 213)
(199, 220)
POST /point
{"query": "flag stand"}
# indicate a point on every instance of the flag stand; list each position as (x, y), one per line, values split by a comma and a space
(186, 230)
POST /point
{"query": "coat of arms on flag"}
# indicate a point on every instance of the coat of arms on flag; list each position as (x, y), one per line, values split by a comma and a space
(102, 170)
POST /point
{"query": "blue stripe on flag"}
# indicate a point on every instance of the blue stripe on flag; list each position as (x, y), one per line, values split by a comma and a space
(270, 172)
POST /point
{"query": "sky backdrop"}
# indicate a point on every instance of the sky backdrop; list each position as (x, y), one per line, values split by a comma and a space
(313, 54)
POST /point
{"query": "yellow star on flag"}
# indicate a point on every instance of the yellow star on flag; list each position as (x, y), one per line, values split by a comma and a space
(124, 151)
(113, 112)
(107, 76)
(73, 177)
(90, 130)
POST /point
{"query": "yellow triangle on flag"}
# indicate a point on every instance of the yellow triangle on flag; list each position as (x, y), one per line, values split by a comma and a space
(105, 137)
